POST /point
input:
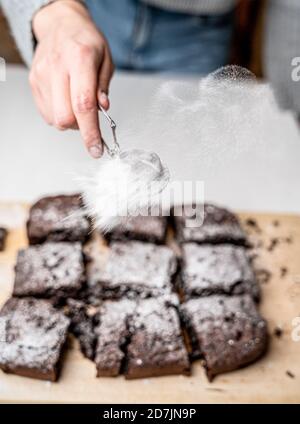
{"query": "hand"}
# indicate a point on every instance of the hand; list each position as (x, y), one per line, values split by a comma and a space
(71, 70)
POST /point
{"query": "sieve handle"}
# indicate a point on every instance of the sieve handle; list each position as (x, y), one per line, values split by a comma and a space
(116, 147)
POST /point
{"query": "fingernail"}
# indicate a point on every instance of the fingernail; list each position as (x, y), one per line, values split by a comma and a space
(96, 151)
(103, 96)
(104, 99)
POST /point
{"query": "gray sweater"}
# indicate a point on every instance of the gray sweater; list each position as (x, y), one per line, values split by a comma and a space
(282, 35)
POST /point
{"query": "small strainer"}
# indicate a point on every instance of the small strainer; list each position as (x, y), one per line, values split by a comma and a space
(144, 164)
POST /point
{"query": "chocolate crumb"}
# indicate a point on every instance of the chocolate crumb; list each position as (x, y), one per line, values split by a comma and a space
(283, 271)
(290, 374)
(263, 276)
(273, 243)
(278, 332)
(250, 222)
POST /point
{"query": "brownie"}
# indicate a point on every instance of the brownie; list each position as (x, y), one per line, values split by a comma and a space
(50, 269)
(132, 268)
(211, 224)
(3, 235)
(217, 269)
(227, 331)
(32, 335)
(144, 228)
(156, 345)
(82, 318)
(112, 335)
(57, 218)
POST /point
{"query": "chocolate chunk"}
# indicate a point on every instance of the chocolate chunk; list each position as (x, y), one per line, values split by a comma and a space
(217, 269)
(3, 235)
(207, 224)
(112, 335)
(57, 218)
(156, 346)
(132, 268)
(32, 335)
(50, 269)
(144, 228)
(227, 332)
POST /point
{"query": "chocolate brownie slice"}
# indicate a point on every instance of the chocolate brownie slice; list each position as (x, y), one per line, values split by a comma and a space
(57, 218)
(3, 235)
(144, 228)
(82, 325)
(227, 331)
(112, 335)
(32, 335)
(207, 224)
(217, 269)
(156, 345)
(132, 268)
(50, 269)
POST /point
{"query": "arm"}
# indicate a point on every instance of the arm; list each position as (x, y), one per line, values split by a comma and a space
(19, 14)
(71, 66)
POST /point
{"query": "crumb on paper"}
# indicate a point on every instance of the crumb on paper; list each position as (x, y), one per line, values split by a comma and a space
(263, 275)
(290, 374)
(278, 332)
(283, 271)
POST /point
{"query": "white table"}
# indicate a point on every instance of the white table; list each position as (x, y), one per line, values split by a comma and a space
(36, 159)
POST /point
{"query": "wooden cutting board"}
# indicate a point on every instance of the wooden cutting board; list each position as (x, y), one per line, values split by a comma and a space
(273, 379)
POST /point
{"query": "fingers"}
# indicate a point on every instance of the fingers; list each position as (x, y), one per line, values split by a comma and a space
(83, 87)
(63, 115)
(43, 107)
(105, 75)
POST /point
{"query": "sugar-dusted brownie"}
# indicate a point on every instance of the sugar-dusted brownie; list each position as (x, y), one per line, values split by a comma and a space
(156, 345)
(82, 325)
(144, 228)
(57, 218)
(32, 335)
(227, 331)
(207, 224)
(217, 269)
(132, 268)
(49, 269)
(3, 235)
(112, 335)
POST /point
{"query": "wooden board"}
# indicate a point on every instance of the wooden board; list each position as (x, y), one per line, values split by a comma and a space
(265, 381)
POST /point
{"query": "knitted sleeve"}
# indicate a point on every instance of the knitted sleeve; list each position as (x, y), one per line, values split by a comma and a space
(282, 52)
(19, 15)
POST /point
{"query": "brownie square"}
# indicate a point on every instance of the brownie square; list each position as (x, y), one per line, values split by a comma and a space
(82, 318)
(130, 269)
(156, 345)
(228, 332)
(57, 218)
(144, 228)
(210, 224)
(32, 335)
(50, 269)
(3, 235)
(217, 269)
(112, 336)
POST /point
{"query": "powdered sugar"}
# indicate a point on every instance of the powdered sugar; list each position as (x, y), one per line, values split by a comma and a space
(123, 186)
